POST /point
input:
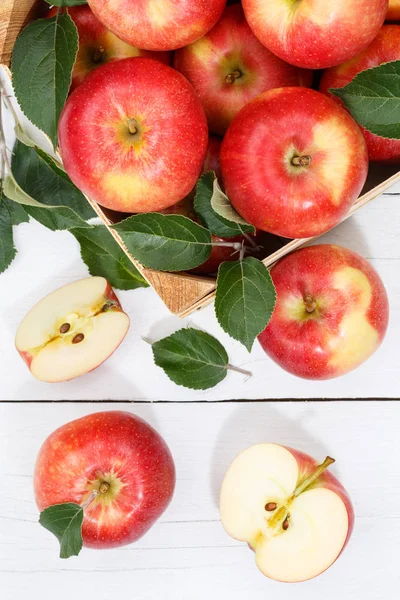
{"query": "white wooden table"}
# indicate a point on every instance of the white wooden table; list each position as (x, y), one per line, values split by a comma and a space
(187, 554)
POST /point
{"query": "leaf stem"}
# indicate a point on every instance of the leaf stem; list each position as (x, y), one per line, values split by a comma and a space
(235, 245)
(239, 370)
(90, 499)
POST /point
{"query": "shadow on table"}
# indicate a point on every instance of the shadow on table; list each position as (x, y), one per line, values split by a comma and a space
(255, 424)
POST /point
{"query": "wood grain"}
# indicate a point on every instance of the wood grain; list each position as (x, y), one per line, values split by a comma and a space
(14, 15)
(187, 554)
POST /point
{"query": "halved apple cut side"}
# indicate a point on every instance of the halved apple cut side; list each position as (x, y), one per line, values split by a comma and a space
(294, 515)
(72, 330)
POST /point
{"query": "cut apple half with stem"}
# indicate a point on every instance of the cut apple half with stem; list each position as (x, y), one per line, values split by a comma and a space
(294, 514)
(72, 330)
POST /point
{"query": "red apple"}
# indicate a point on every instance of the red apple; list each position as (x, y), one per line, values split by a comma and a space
(158, 24)
(211, 159)
(315, 34)
(97, 45)
(331, 313)
(294, 514)
(112, 451)
(393, 13)
(72, 331)
(133, 135)
(293, 162)
(229, 67)
(384, 48)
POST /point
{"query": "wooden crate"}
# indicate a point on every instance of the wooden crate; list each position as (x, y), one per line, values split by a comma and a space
(181, 292)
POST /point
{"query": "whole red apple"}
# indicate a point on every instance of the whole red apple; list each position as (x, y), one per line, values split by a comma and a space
(393, 13)
(112, 451)
(295, 515)
(133, 135)
(158, 24)
(228, 67)
(315, 34)
(72, 331)
(293, 162)
(384, 48)
(331, 313)
(97, 45)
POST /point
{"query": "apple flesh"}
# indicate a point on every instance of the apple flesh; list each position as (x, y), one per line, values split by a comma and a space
(97, 45)
(116, 452)
(299, 183)
(158, 24)
(385, 48)
(393, 13)
(228, 67)
(133, 136)
(72, 330)
(331, 313)
(296, 516)
(315, 34)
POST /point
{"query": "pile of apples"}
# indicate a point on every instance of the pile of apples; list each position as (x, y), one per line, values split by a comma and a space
(164, 91)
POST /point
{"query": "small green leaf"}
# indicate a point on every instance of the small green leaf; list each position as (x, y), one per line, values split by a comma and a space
(373, 98)
(245, 299)
(42, 61)
(66, 2)
(17, 212)
(165, 242)
(65, 521)
(215, 210)
(45, 190)
(103, 256)
(192, 358)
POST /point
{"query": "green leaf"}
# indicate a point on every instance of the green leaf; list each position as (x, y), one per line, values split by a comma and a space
(65, 521)
(215, 210)
(245, 299)
(45, 190)
(165, 242)
(7, 248)
(17, 212)
(42, 61)
(192, 358)
(103, 256)
(373, 98)
(66, 2)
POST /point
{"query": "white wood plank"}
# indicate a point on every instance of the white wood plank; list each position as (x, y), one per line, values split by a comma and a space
(187, 554)
(47, 260)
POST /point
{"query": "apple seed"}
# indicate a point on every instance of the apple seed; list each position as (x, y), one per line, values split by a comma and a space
(270, 506)
(65, 327)
(285, 524)
(79, 337)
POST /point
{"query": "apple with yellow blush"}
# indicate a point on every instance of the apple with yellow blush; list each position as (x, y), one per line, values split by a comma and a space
(331, 312)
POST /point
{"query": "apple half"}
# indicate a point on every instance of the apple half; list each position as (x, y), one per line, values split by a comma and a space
(295, 516)
(72, 330)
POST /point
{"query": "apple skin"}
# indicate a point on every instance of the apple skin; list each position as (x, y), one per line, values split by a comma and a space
(393, 13)
(158, 162)
(97, 45)
(315, 34)
(160, 24)
(109, 295)
(262, 183)
(211, 159)
(231, 49)
(116, 447)
(384, 48)
(349, 319)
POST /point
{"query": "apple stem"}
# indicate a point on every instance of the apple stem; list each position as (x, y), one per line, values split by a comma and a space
(132, 126)
(235, 245)
(301, 161)
(90, 499)
(239, 370)
(310, 303)
(98, 54)
(252, 242)
(231, 77)
(313, 477)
